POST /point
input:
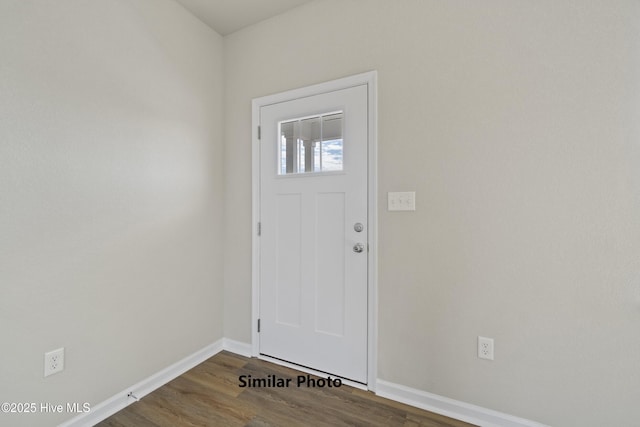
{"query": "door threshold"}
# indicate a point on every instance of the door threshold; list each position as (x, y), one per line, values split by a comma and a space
(310, 371)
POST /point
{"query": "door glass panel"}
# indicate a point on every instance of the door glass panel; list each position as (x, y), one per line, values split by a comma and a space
(311, 144)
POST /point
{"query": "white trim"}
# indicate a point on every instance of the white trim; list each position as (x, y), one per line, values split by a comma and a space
(449, 407)
(237, 347)
(369, 79)
(105, 409)
(420, 399)
(255, 219)
(372, 361)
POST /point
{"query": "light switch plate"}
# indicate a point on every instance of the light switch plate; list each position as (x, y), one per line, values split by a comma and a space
(402, 201)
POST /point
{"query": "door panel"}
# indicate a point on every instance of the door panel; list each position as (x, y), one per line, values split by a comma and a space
(313, 189)
(288, 261)
(330, 274)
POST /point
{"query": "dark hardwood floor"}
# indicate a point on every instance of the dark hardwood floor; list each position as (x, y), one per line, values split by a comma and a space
(210, 395)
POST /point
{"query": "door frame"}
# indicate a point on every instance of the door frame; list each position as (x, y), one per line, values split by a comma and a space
(370, 80)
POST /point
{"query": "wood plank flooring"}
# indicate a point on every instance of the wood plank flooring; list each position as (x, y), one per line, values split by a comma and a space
(210, 395)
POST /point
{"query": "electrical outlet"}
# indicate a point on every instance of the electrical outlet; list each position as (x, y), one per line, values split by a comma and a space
(54, 362)
(485, 348)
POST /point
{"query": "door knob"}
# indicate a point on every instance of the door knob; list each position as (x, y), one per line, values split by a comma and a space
(358, 247)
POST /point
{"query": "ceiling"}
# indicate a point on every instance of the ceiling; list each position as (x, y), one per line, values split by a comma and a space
(227, 16)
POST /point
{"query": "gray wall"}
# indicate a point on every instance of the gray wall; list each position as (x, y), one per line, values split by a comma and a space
(517, 123)
(111, 181)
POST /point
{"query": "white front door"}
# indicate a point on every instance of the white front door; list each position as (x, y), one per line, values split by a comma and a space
(314, 233)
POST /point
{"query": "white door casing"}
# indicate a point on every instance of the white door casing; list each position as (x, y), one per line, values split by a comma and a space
(314, 295)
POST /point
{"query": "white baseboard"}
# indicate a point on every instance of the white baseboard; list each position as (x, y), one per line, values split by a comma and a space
(410, 396)
(237, 347)
(449, 407)
(121, 400)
